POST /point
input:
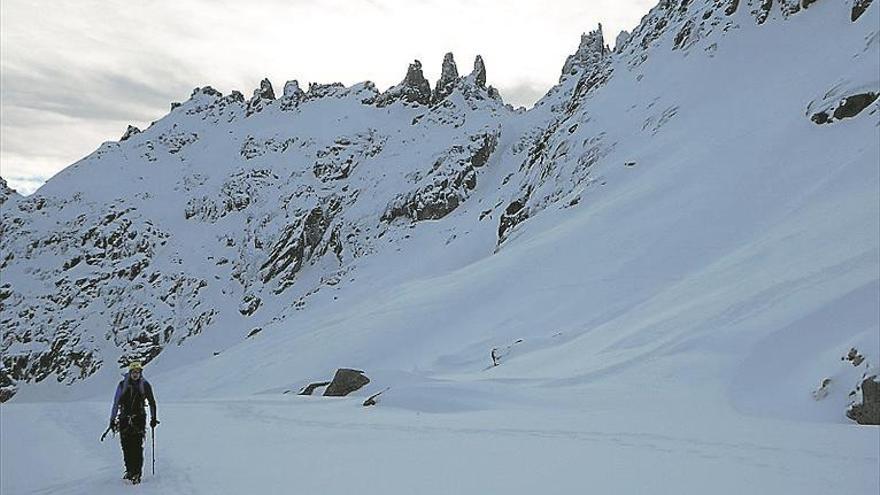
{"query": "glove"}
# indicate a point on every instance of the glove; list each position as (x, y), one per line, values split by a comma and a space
(153, 422)
(114, 425)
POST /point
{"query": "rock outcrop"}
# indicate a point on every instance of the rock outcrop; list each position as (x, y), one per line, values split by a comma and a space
(129, 132)
(413, 89)
(346, 381)
(591, 51)
(261, 97)
(479, 73)
(858, 8)
(867, 412)
(448, 79)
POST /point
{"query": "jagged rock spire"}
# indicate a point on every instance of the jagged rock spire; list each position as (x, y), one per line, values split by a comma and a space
(448, 78)
(620, 41)
(413, 89)
(261, 96)
(292, 89)
(265, 90)
(591, 51)
(479, 72)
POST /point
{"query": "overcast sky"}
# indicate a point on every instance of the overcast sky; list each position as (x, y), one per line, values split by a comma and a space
(75, 73)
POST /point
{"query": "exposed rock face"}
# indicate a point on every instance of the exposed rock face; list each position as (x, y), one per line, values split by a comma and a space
(731, 7)
(479, 72)
(590, 52)
(859, 7)
(292, 89)
(413, 89)
(448, 184)
(262, 96)
(297, 243)
(339, 160)
(346, 381)
(868, 411)
(129, 132)
(620, 41)
(447, 81)
(6, 192)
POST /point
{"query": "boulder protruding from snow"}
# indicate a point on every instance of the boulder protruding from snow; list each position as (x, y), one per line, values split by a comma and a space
(448, 79)
(310, 388)
(859, 7)
(346, 381)
(846, 108)
(868, 411)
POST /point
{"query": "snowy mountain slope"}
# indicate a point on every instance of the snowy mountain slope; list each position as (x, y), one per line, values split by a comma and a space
(239, 218)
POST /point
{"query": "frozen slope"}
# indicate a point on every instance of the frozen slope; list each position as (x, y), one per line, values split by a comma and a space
(662, 322)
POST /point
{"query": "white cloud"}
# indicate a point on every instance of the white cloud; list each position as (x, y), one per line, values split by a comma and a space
(75, 73)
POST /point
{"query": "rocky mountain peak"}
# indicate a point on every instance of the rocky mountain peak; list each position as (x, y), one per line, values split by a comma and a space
(448, 78)
(591, 51)
(262, 95)
(413, 89)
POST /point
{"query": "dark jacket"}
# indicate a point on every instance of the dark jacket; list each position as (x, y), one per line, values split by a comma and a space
(129, 399)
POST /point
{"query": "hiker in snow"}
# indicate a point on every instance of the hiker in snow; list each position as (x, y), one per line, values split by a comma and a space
(128, 404)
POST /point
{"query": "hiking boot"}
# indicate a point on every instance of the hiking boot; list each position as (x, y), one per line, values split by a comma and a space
(126, 476)
(135, 479)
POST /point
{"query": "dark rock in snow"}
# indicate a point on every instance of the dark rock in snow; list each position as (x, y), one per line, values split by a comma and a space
(868, 412)
(853, 105)
(848, 107)
(310, 388)
(859, 7)
(129, 132)
(346, 381)
(731, 7)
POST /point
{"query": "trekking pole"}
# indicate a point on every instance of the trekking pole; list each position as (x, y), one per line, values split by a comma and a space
(153, 450)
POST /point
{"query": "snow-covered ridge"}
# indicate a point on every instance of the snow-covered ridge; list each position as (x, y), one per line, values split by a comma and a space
(231, 214)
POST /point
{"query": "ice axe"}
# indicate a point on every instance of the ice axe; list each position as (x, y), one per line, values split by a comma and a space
(106, 432)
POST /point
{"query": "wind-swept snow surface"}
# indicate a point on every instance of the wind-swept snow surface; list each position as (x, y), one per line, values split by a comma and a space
(668, 255)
